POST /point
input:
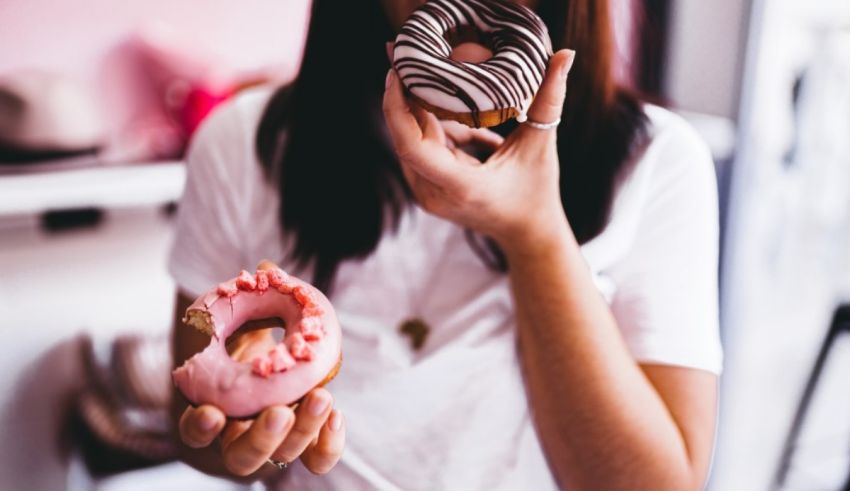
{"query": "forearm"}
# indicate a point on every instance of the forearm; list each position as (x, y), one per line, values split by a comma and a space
(600, 420)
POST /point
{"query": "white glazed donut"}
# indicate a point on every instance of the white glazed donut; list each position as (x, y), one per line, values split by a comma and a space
(476, 94)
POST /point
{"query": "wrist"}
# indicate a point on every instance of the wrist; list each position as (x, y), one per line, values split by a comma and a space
(547, 234)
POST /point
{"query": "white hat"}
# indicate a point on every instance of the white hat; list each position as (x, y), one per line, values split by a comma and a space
(42, 111)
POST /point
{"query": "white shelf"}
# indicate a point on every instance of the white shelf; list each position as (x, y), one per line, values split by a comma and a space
(128, 185)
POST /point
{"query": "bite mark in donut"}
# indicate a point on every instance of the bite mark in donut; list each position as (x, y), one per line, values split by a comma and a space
(307, 357)
(476, 94)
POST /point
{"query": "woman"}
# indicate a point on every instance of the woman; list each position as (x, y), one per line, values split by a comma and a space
(547, 318)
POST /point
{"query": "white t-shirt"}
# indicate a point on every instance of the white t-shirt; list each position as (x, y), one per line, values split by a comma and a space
(454, 415)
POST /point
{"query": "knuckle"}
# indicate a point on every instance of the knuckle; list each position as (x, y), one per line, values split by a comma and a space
(236, 464)
(303, 433)
(553, 104)
(257, 447)
(328, 451)
(404, 152)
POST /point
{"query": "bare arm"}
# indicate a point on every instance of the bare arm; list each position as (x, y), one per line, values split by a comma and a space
(605, 422)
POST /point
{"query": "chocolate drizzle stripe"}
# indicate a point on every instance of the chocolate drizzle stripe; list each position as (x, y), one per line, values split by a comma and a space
(521, 51)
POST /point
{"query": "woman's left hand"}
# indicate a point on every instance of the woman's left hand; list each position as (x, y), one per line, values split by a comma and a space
(512, 196)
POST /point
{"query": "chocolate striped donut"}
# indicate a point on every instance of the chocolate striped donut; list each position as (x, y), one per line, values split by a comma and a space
(476, 94)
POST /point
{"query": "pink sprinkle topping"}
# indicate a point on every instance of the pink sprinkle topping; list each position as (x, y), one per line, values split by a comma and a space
(285, 288)
(299, 347)
(276, 277)
(280, 358)
(311, 328)
(313, 311)
(246, 281)
(262, 280)
(302, 296)
(226, 290)
(261, 366)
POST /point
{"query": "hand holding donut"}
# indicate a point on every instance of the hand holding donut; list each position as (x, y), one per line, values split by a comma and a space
(514, 195)
(314, 431)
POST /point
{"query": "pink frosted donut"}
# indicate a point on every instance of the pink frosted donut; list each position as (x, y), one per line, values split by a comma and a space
(308, 356)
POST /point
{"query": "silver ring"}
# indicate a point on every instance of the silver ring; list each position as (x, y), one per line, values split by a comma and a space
(281, 465)
(542, 126)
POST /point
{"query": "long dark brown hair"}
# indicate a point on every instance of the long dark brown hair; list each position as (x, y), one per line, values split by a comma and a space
(323, 137)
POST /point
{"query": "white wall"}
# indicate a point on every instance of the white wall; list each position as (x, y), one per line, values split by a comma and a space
(705, 54)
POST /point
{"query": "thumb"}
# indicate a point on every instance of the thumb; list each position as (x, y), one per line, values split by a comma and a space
(549, 102)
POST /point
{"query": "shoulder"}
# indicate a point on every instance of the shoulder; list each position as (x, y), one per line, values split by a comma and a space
(674, 168)
(231, 126)
(221, 152)
(674, 150)
(670, 189)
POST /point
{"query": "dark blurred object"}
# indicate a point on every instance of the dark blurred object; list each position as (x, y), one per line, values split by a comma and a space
(62, 220)
(46, 116)
(840, 325)
(122, 414)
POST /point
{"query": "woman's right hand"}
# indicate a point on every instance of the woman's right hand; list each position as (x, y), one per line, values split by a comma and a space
(314, 432)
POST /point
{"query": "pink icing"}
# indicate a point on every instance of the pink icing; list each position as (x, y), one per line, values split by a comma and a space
(227, 290)
(309, 351)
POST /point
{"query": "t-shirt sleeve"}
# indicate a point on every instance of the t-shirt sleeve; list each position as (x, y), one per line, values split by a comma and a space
(666, 301)
(207, 247)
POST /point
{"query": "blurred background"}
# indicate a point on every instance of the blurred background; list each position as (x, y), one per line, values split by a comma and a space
(98, 100)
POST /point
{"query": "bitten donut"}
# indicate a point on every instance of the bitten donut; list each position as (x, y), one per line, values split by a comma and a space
(476, 94)
(308, 356)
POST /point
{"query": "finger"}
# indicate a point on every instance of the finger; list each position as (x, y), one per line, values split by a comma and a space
(424, 191)
(199, 426)
(401, 122)
(321, 457)
(267, 265)
(549, 102)
(390, 46)
(309, 418)
(248, 451)
(461, 134)
(431, 127)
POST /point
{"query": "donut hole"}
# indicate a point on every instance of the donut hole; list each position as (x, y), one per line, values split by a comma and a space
(469, 45)
(254, 338)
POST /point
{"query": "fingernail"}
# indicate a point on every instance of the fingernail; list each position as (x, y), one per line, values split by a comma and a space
(389, 79)
(277, 419)
(207, 421)
(565, 70)
(318, 405)
(335, 422)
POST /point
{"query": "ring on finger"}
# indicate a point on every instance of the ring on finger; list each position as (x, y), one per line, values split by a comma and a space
(280, 464)
(542, 126)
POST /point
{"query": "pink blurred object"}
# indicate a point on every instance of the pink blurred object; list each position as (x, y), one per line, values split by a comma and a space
(199, 102)
(170, 83)
(184, 84)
